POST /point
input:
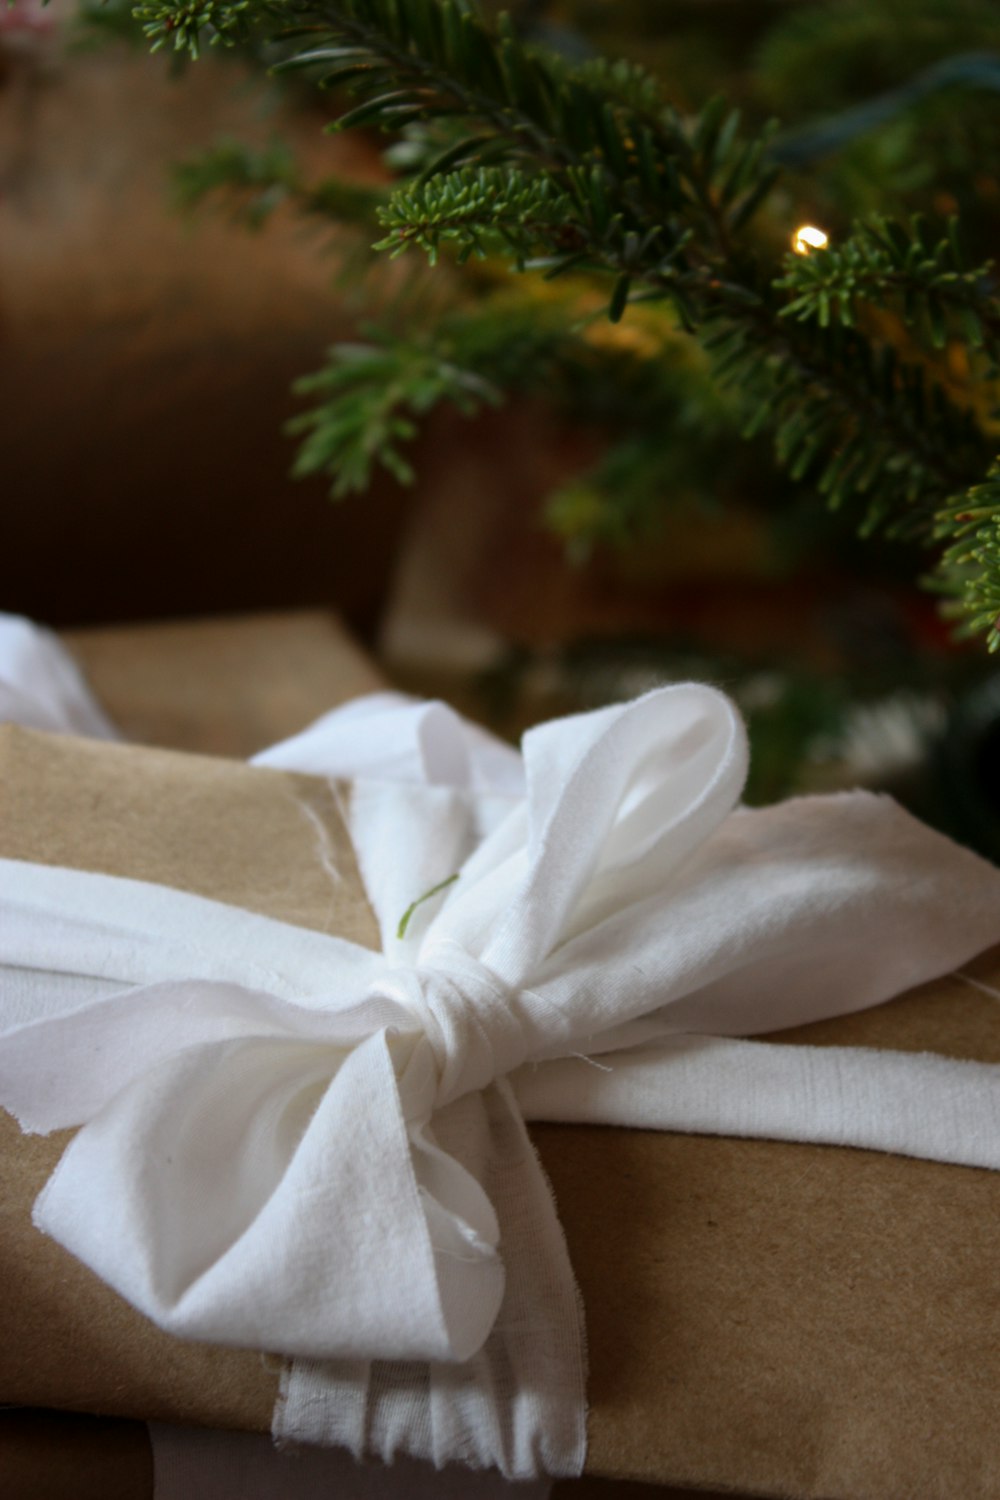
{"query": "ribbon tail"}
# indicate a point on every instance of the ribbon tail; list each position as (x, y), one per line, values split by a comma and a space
(914, 1104)
(519, 1403)
(261, 1192)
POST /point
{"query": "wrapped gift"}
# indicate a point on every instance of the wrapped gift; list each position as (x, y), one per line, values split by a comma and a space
(767, 1317)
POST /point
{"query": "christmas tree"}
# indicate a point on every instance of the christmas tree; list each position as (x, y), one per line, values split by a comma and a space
(867, 351)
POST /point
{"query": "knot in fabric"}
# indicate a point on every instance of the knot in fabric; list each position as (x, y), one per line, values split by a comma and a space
(468, 1015)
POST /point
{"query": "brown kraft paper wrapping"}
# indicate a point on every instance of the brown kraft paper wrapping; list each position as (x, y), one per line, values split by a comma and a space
(224, 686)
(771, 1319)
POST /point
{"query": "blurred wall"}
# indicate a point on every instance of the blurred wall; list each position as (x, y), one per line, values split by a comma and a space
(145, 362)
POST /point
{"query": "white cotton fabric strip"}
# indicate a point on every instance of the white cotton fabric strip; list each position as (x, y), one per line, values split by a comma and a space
(307, 1147)
(852, 1096)
(400, 739)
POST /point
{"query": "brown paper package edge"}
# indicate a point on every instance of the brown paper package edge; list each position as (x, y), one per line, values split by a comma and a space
(772, 1319)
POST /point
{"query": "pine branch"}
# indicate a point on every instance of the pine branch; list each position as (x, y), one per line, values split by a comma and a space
(468, 357)
(852, 418)
(369, 399)
(423, 60)
(480, 211)
(889, 264)
(585, 168)
(969, 570)
(635, 169)
(187, 26)
(855, 421)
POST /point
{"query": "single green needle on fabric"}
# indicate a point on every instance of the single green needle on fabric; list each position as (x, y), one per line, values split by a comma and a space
(404, 921)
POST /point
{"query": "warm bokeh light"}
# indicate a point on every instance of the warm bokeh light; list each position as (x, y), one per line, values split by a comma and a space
(807, 238)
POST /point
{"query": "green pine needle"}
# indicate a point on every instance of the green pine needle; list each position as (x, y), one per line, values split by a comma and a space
(404, 920)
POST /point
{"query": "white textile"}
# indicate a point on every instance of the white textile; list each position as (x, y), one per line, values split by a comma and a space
(290, 1142)
(41, 686)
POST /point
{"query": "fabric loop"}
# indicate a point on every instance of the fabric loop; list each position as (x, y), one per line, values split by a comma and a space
(468, 1015)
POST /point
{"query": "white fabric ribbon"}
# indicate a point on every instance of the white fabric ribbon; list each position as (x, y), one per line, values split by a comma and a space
(285, 1136)
(41, 686)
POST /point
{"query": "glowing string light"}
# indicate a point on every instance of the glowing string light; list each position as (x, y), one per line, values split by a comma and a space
(808, 238)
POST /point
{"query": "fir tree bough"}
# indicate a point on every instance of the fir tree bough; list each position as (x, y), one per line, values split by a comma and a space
(511, 153)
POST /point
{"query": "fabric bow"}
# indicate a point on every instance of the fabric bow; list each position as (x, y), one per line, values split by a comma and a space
(259, 1160)
(270, 1115)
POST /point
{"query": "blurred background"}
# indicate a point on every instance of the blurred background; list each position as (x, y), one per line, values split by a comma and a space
(165, 278)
